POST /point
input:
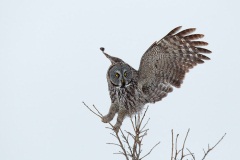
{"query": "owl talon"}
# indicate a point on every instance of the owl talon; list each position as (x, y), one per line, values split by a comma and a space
(116, 128)
(105, 119)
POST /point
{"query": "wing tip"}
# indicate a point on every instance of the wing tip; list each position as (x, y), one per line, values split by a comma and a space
(175, 30)
(203, 50)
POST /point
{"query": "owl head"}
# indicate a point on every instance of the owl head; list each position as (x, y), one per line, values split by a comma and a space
(120, 74)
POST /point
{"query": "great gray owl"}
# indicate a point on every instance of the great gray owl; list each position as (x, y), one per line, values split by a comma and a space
(162, 66)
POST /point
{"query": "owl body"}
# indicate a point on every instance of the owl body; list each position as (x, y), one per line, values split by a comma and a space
(162, 67)
(130, 98)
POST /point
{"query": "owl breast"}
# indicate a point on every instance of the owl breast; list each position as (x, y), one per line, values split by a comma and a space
(130, 98)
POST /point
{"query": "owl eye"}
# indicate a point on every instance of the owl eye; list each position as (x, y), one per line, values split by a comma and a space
(125, 74)
(117, 75)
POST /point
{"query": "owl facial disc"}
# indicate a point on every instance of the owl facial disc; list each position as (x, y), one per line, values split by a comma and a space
(120, 75)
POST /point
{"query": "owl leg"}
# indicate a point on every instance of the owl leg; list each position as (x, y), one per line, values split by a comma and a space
(121, 115)
(111, 113)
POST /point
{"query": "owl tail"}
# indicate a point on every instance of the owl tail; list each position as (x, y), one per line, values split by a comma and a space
(113, 60)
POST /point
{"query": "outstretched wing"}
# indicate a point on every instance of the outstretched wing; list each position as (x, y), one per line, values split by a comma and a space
(166, 62)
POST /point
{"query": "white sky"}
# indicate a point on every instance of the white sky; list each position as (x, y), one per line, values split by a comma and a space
(50, 62)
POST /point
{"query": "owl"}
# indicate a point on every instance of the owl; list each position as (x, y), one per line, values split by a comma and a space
(162, 67)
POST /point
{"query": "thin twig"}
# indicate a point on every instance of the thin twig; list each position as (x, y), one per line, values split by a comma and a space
(97, 110)
(135, 122)
(92, 110)
(184, 145)
(176, 150)
(139, 149)
(143, 116)
(130, 134)
(172, 146)
(145, 124)
(114, 144)
(192, 154)
(109, 128)
(113, 135)
(209, 149)
(120, 142)
(132, 124)
(119, 153)
(150, 151)
(126, 141)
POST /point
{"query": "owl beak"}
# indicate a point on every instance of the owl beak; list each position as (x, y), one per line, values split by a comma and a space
(123, 83)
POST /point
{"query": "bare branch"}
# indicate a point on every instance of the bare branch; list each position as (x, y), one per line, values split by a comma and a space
(192, 154)
(143, 117)
(119, 153)
(183, 156)
(184, 145)
(144, 133)
(133, 124)
(172, 146)
(133, 137)
(145, 124)
(150, 151)
(113, 135)
(120, 142)
(99, 115)
(97, 110)
(127, 142)
(211, 148)
(109, 128)
(134, 149)
(114, 144)
(176, 150)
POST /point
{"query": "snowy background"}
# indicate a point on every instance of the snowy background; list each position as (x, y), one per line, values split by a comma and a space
(50, 62)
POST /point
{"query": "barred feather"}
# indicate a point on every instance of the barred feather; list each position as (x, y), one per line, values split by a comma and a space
(174, 56)
(199, 43)
(174, 30)
(185, 32)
